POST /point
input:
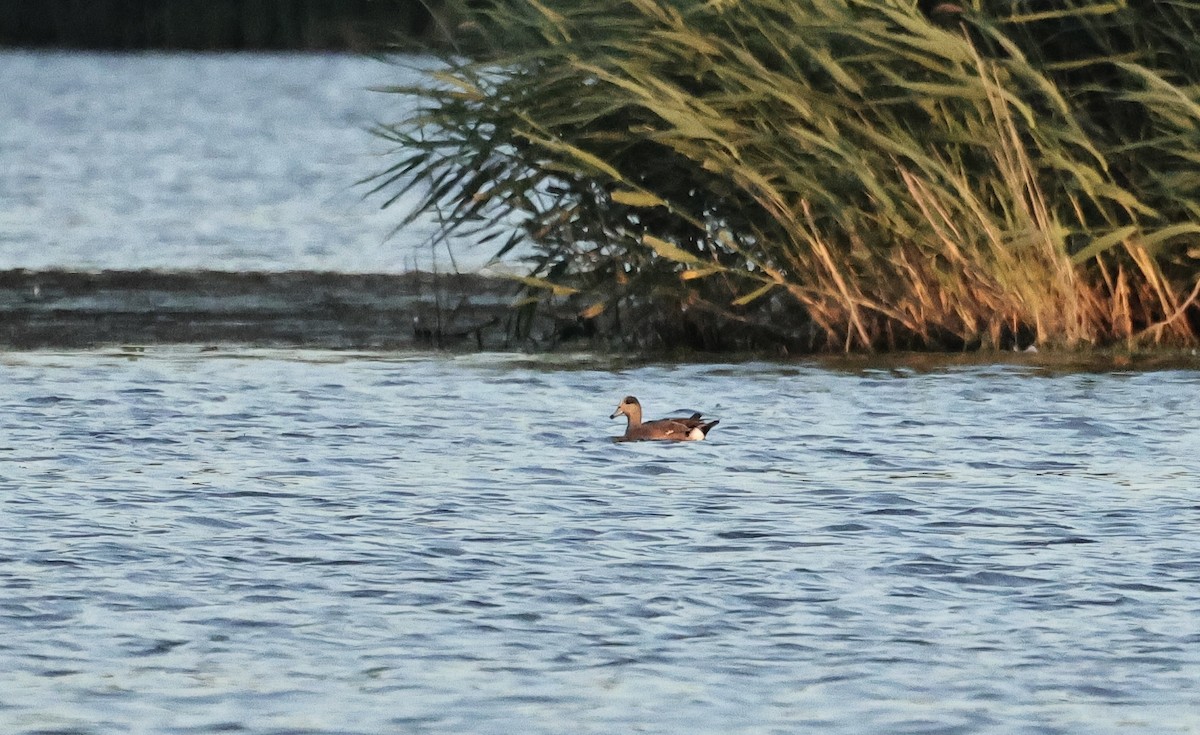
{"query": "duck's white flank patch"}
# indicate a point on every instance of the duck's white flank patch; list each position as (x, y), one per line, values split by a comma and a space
(695, 434)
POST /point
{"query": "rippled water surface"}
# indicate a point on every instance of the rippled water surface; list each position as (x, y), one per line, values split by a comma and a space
(271, 542)
(184, 161)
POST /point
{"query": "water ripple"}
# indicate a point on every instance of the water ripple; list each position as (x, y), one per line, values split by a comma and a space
(289, 542)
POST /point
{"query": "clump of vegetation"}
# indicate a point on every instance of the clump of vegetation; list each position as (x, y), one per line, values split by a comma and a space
(847, 174)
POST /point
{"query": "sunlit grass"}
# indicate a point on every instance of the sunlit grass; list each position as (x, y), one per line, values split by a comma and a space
(830, 173)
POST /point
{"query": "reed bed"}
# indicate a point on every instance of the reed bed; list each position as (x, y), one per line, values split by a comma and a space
(827, 174)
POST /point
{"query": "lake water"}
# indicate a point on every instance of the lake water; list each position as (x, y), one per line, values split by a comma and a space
(327, 542)
(202, 161)
(310, 542)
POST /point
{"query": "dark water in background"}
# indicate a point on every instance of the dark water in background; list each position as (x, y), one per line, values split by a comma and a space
(271, 542)
(239, 162)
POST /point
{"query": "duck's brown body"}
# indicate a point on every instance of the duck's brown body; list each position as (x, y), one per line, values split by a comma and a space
(678, 430)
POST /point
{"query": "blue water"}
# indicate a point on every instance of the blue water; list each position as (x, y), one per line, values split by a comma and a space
(310, 542)
(204, 161)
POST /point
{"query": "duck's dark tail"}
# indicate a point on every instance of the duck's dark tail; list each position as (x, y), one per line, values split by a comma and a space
(704, 428)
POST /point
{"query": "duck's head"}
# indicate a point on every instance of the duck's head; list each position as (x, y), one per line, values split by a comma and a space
(628, 406)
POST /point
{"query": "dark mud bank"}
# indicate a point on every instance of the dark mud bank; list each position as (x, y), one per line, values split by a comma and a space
(322, 310)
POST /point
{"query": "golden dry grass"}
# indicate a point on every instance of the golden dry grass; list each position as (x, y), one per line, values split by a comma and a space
(890, 177)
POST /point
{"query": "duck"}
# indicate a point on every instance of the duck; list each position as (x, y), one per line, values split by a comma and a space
(689, 429)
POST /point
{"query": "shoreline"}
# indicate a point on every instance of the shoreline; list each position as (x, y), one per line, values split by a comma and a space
(86, 309)
(416, 310)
